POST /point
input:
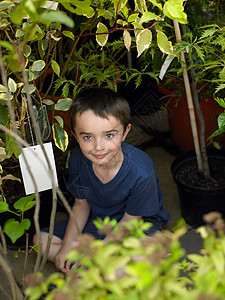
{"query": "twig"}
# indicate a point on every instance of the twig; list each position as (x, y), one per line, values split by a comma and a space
(51, 229)
(3, 248)
(4, 291)
(16, 293)
(26, 257)
(69, 210)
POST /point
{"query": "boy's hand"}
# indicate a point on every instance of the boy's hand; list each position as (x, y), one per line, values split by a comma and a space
(60, 262)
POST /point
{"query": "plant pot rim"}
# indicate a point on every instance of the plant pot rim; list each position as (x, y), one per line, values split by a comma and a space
(187, 156)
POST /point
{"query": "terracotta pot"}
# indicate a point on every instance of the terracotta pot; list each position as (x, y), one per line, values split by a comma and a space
(179, 120)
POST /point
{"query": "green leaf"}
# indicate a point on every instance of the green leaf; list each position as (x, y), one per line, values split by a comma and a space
(101, 38)
(220, 101)
(207, 33)
(199, 52)
(4, 115)
(12, 85)
(163, 43)
(6, 4)
(55, 67)
(218, 261)
(69, 34)
(48, 102)
(3, 155)
(34, 292)
(132, 17)
(31, 75)
(25, 203)
(31, 89)
(155, 3)
(27, 51)
(143, 41)
(7, 45)
(220, 87)
(216, 145)
(37, 66)
(221, 120)
(56, 16)
(140, 5)
(4, 23)
(4, 207)
(119, 5)
(3, 89)
(11, 146)
(59, 120)
(60, 137)
(15, 230)
(179, 223)
(63, 104)
(83, 8)
(19, 33)
(216, 133)
(174, 10)
(17, 15)
(148, 16)
(127, 39)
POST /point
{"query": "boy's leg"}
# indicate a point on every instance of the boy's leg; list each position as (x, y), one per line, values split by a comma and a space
(56, 244)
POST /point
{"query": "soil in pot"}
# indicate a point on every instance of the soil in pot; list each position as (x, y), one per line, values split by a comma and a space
(198, 195)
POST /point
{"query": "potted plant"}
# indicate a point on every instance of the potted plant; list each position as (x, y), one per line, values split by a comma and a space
(196, 198)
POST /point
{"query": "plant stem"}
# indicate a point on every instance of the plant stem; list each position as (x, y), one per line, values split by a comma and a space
(16, 293)
(74, 47)
(195, 91)
(189, 101)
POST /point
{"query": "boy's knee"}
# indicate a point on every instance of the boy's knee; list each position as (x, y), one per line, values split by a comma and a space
(44, 236)
(35, 240)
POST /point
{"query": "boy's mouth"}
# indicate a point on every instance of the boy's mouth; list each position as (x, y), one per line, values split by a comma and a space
(99, 156)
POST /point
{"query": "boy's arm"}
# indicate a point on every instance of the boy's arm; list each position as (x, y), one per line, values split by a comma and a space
(81, 211)
(126, 218)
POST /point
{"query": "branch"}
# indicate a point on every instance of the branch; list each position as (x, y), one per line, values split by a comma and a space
(16, 293)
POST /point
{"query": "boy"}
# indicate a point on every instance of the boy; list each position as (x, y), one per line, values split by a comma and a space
(107, 177)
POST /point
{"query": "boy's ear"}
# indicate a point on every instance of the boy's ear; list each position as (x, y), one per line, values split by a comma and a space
(126, 131)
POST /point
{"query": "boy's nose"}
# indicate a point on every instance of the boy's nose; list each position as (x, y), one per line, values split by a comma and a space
(99, 144)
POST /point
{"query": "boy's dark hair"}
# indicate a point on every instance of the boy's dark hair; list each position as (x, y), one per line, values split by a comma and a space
(103, 102)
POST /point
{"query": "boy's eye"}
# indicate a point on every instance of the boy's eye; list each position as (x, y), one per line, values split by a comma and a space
(87, 137)
(109, 136)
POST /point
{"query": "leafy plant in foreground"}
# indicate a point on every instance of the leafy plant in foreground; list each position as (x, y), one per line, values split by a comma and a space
(14, 228)
(141, 268)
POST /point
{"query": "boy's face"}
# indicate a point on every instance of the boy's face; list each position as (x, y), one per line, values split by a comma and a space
(100, 139)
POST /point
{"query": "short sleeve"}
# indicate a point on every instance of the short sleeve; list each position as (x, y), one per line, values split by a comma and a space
(74, 184)
(144, 198)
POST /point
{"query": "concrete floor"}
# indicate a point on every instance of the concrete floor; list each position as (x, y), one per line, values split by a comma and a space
(191, 242)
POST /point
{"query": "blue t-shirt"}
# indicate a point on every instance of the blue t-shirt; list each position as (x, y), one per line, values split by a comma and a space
(134, 189)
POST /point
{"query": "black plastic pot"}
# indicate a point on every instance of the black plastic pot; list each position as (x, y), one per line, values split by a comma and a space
(196, 201)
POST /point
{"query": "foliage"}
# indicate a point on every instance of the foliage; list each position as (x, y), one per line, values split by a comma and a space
(31, 34)
(28, 41)
(31, 39)
(220, 120)
(14, 228)
(129, 267)
(208, 53)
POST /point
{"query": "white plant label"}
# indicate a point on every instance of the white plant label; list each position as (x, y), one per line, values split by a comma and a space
(39, 168)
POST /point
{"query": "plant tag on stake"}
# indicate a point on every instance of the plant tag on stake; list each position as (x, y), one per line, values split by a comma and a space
(39, 168)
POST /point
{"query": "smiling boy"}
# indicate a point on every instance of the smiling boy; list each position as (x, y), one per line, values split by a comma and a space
(107, 177)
